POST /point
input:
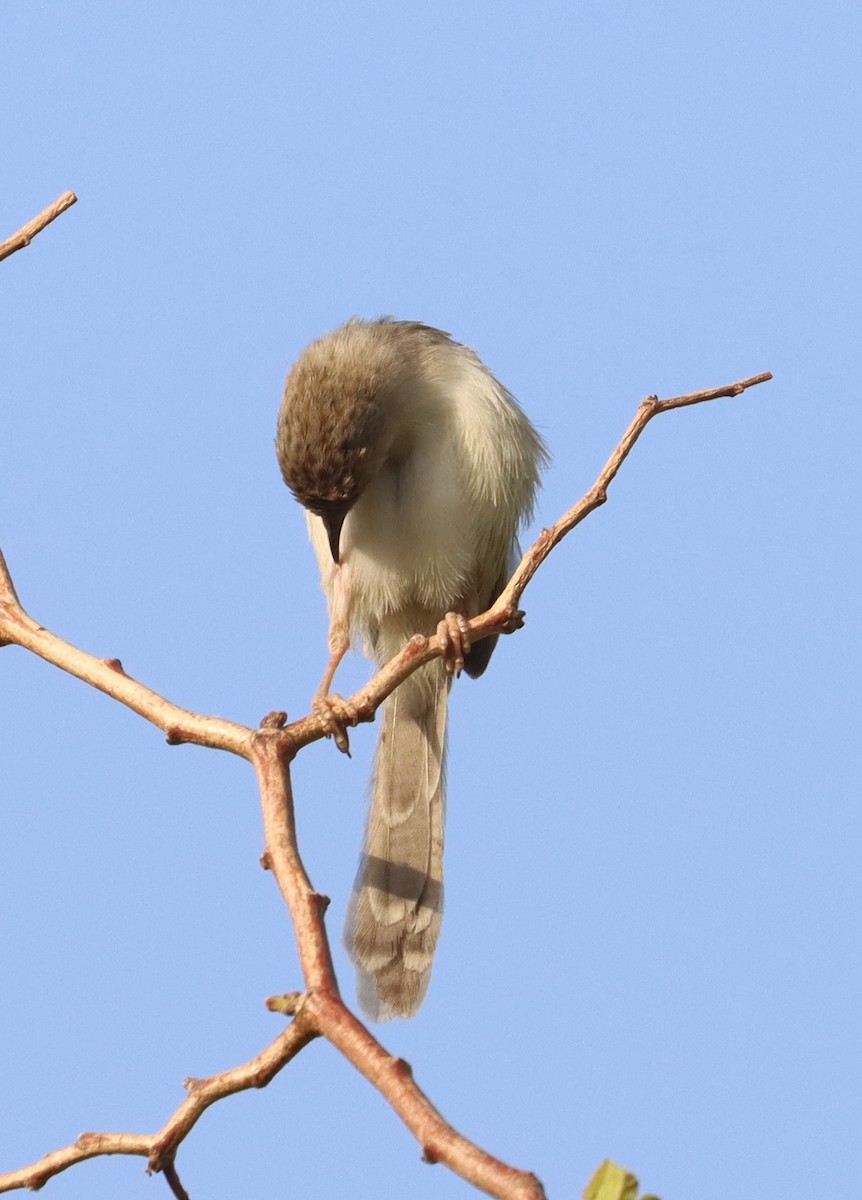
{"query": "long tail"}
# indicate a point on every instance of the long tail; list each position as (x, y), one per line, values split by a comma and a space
(397, 904)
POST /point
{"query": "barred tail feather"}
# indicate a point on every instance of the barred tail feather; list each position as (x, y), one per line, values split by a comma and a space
(397, 904)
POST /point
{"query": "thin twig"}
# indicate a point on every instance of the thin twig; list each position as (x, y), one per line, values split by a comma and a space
(25, 235)
(169, 1170)
(108, 675)
(598, 493)
(160, 1148)
(503, 615)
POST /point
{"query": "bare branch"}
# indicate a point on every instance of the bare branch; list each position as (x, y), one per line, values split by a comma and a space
(256, 1073)
(393, 1078)
(319, 1010)
(160, 1148)
(88, 1145)
(598, 493)
(503, 616)
(107, 674)
(322, 1008)
(25, 235)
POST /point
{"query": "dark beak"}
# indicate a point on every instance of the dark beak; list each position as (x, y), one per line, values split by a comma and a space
(333, 522)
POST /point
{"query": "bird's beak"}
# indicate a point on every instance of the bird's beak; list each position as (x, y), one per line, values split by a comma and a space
(333, 522)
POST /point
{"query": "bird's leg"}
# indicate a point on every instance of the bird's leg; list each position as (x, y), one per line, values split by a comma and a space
(333, 711)
(454, 635)
(339, 643)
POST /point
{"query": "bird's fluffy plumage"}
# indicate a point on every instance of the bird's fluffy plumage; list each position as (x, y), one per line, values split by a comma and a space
(435, 466)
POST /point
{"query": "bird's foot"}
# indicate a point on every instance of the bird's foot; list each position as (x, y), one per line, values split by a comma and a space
(335, 714)
(454, 635)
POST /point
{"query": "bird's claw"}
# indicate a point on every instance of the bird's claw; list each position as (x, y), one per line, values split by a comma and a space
(453, 633)
(335, 714)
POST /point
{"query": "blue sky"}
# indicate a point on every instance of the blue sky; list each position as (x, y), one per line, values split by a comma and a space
(651, 948)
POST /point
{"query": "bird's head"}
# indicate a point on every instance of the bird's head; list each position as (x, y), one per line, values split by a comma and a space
(330, 440)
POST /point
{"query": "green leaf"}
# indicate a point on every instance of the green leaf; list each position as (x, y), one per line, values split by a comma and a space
(611, 1182)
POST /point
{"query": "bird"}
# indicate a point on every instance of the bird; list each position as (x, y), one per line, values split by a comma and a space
(417, 468)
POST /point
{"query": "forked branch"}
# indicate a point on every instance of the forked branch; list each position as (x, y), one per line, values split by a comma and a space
(318, 1010)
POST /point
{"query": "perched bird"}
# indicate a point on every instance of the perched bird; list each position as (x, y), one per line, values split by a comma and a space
(416, 468)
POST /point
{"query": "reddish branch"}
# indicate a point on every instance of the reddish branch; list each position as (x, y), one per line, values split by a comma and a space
(318, 1011)
(503, 616)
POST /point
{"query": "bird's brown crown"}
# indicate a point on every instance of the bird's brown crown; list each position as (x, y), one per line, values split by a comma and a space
(329, 438)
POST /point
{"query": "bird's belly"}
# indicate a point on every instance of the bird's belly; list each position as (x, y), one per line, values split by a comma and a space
(413, 540)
